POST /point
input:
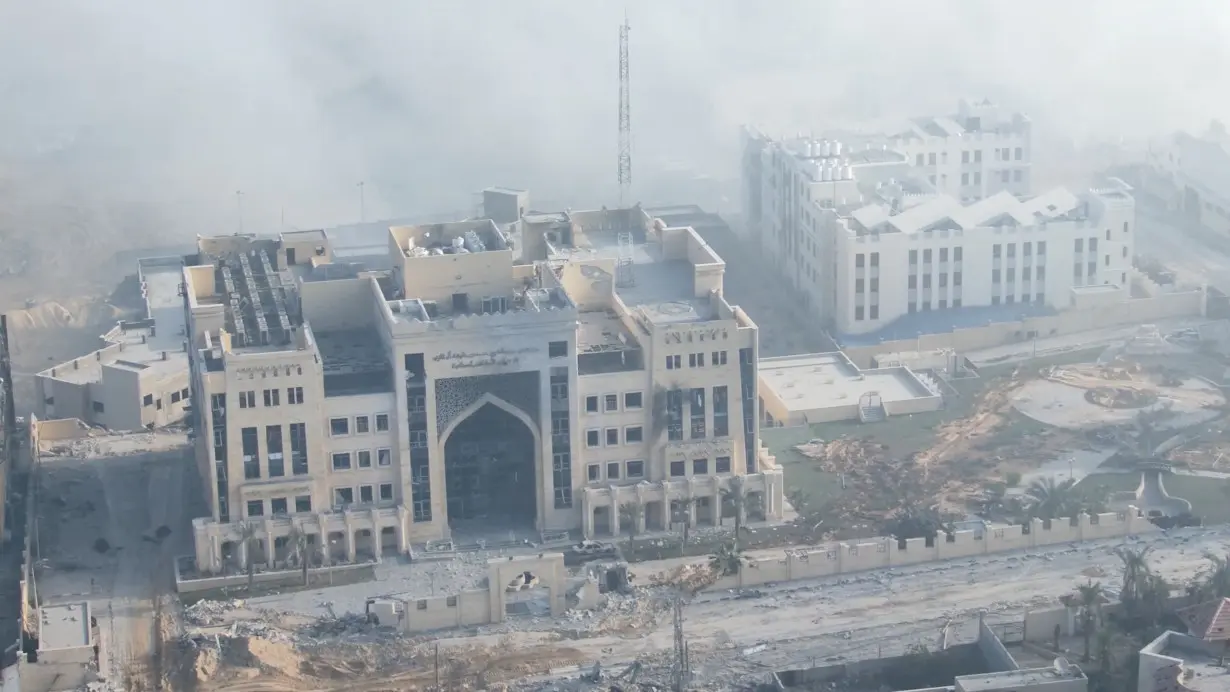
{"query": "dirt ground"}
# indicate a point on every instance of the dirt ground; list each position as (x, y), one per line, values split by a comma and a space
(101, 503)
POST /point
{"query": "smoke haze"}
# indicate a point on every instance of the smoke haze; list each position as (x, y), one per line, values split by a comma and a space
(147, 117)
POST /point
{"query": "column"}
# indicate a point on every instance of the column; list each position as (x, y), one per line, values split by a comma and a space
(243, 554)
(350, 547)
(587, 515)
(403, 519)
(640, 517)
(615, 514)
(326, 558)
(270, 551)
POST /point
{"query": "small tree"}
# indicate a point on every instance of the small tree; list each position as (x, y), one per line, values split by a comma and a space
(727, 560)
(297, 543)
(1012, 479)
(247, 537)
(632, 513)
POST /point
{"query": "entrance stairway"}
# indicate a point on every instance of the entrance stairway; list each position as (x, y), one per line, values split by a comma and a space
(872, 414)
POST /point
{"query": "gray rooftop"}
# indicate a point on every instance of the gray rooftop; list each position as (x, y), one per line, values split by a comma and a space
(353, 362)
(64, 626)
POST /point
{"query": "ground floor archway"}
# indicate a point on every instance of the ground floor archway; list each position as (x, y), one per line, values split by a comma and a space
(490, 471)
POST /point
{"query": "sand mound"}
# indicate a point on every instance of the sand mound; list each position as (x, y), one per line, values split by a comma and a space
(274, 657)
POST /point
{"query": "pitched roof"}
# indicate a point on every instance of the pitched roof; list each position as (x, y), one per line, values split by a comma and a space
(1209, 621)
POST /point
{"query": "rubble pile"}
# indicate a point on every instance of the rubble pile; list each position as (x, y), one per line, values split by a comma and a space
(206, 612)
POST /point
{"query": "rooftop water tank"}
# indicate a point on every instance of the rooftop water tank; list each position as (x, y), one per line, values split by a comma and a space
(828, 149)
(836, 148)
(826, 173)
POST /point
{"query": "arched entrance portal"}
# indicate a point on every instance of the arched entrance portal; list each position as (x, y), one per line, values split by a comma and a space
(489, 470)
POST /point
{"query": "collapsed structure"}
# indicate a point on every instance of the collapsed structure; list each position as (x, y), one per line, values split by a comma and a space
(595, 380)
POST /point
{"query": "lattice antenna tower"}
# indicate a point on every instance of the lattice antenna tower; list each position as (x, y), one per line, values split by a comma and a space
(625, 117)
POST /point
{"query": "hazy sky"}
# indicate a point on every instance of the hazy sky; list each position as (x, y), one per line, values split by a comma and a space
(163, 110)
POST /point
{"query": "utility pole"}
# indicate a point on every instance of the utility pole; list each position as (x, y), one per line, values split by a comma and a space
(625, 117)
(681, 673)
(239, 205)
(362, 211)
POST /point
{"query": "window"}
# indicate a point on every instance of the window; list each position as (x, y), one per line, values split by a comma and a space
(148, 400)
(722, 464)
(674, 362)
(298, 449)
(918, 160)
(858, 285)
(1126, 227)
(174, 397)
(612, 470)
(875, 259)
(994, 300)
(1040, 298)
(997, 250)
(256, 508)
(365, 458)
(994, 276)
(418, 439)
(942, 304)
(978, 156)
(384, 457)
(416, 403)
(247, 399)
(1107, 262)
(341, 461)
(956, 254)
(633, 400)
(183, 394)
(634, 469)
(1012, 249)
(594, 472)
(696, 360)
(271, 397)
(718, 358)
(965, 157)
(956, 302)
(873, 313)
(1125, 252)
(926, 281)
(362, 425)
(592, 438)
(943, 279)
(343, 496)
(386, 492)
(1041, 273)
(858, 312)
(366, 496)
(1005, 176)
(1093, 244)
(382, 422)
(1016, 176)
(1010, 275)
(294, 395)
(678, 469)
(913, 256)
(634, 434)
(700, 467)
(339, 426)
(943, 254)
(591, 404)
(860, 260)
(965, 178)
(277, 506)
(303, 503)
(612, 437)
(557, 349)
(912, 282)
(610, 402)
(1041, 247)
(1019, 153)
(273, 446)
(931, 158)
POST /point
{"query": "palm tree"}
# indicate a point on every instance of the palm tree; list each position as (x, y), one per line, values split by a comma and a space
(297, 543)
(1050, 499)
(631, 513)
(1088, 598)
(1213, 581)
(247, 536)
(727, 560)
(734, 495)
(1135, 573)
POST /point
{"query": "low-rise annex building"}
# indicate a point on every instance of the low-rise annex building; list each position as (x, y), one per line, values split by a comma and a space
(467, 389)
(139, 377)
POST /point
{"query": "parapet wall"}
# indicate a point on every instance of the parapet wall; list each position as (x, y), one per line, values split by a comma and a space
(1133, 311)
(878, 553)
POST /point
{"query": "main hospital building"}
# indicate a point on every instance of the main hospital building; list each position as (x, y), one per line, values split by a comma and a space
(591, 377)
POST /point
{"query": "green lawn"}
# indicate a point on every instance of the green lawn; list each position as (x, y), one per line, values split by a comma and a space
(902, 434)
(1207, 495)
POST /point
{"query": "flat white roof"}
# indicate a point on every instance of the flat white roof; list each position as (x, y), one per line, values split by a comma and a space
(827, 380)
(64, 626)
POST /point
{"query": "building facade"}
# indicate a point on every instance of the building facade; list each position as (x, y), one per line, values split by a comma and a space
(598, 383)
(1190, 175)
(796, 190)
(934, 254)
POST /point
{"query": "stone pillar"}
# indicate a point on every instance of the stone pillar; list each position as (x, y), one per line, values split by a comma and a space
(640, 517)
(403, 520)
(615, 517)
(326, 558)
(350, 547)
(587, 515)
(243, 554)
(270, 551)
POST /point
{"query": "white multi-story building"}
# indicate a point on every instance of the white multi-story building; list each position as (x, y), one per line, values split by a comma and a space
(980, 150)
(945, 201)
(599, 381)
(907, 255)
(1191, 174)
